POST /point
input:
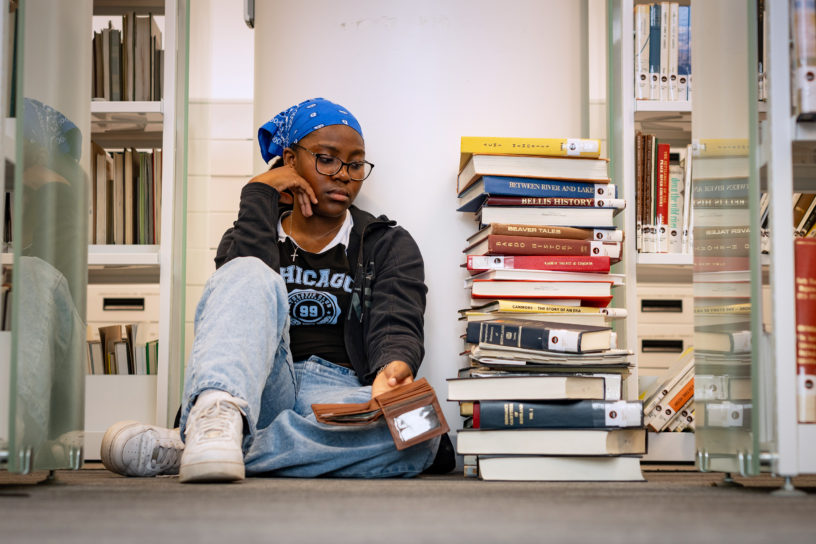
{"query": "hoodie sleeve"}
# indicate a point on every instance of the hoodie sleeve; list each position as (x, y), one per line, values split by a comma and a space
(254, 233)
(395, 329)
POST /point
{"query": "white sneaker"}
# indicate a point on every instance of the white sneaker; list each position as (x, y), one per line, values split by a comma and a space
(131, 448)
(214, 434)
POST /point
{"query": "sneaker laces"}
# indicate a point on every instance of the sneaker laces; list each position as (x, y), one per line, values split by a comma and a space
(215, 421)
(166, 455)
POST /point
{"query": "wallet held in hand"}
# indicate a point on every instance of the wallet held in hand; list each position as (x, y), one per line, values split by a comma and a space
(411, 412)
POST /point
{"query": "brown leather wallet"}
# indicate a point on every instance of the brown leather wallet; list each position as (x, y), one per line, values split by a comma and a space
(411, 412)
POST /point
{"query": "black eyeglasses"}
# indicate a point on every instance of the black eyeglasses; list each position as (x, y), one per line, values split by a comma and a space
(329, 165)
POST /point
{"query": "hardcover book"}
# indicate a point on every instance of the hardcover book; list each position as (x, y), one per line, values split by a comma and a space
(588, 414)
(563, 263)
(502, 244)
(805, 277)
(564, 168)
(472, 198)
(551, 216)
(598, 293)
(553, 147)
(511, 387)
(546, 231)
(541, 335)
(560, 469)
(551, 442)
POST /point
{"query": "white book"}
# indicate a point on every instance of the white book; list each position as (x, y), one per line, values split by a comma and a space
(543, 275)
(664, 383)
(551, 441)
(674, 11)
(526, 388)
(121, 357)
(642, 52)
(557, 217)
(560, 469)
(129, 204)
(687, 225)
(664, 50)
(675, 219)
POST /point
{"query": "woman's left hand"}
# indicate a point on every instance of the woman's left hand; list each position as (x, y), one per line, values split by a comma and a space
(393, 375)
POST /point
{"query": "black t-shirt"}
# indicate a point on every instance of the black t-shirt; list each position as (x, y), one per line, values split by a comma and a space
(319, 286)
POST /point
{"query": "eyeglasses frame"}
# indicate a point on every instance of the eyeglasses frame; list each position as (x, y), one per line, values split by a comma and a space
(342, 163)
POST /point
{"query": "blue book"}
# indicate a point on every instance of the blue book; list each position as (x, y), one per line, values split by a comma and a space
(654, 51)
(684, 52)
(564, 414)
(474, 196)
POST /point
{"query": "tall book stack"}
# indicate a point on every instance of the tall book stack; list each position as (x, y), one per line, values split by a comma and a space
(542, 391)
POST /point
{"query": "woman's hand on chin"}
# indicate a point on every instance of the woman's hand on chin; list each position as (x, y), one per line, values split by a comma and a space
(292, 187)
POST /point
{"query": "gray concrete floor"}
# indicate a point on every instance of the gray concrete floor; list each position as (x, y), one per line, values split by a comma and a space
(93, 505)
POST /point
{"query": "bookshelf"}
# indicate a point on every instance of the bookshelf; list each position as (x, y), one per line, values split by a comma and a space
(788, 446)
(144, 125)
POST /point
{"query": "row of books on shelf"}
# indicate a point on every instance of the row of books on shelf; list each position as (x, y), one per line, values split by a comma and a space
(122, 349)
(542, 389)
(662, 51)
(125, 204)
(128, 60)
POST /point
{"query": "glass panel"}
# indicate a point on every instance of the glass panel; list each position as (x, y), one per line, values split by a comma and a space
(50, 234)
(726, 235)
(177, 332)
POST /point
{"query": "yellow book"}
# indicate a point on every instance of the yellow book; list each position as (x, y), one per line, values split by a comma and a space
(533, 307)
(739, 308)
(719, 147)
(551, 147)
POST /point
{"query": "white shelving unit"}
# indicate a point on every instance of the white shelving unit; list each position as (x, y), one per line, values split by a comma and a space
(794, 443)
(670, 121)
(152, 399)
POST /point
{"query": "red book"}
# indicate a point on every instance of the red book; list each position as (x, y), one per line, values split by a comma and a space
(720, 263)
(662, 208)
(502, 244)
(479, 263)
(805, 275)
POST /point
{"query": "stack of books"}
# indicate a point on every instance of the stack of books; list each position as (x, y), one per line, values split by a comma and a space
(542, 391)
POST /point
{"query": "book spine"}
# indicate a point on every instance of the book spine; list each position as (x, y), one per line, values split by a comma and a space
(554, 263)
(654, 51)
(662, 204)
(639, 190)
(555, 202)
(673, 60)
(664, 50)
(528, 245)
(675, 222)
(683, 52)
(553, 147)
(648, 177)
(572, 233)
(733, 247)
(805, 277)
(533, 336)
(736, 189)
(642, 52)
(510, 186)
(556, 415)
(802, 16)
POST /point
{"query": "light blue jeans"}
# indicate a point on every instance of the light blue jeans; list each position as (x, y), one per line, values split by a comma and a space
(242, 347)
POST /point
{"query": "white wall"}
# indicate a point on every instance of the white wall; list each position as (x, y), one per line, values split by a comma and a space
(419, 75)
(221, 134)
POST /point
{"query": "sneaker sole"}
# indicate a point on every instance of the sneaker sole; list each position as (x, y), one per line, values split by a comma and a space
(106, 449)
(211, 471)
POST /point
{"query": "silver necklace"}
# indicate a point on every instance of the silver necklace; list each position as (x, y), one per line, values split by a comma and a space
(295, 244)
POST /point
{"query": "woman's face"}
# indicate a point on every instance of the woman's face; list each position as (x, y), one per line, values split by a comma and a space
(334, 193)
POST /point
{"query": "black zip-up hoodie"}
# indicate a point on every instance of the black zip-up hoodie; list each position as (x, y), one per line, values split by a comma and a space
(386, 319)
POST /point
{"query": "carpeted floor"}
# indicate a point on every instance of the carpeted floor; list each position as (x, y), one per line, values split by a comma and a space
(93, 505)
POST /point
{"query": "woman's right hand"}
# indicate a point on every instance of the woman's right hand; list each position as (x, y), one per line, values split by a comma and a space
(291, 186)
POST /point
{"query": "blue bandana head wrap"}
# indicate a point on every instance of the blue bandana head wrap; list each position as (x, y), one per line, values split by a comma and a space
(290, 126)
